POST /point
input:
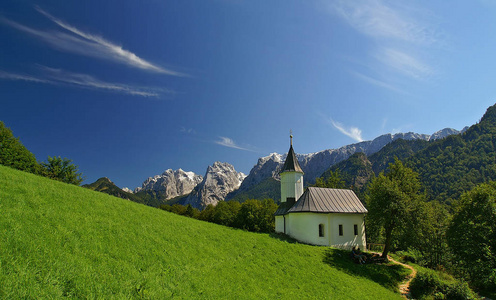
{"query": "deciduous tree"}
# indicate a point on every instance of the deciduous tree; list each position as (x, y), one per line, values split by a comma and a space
(334, 181)
(392, 199)
(62, 169)
(472, 235)
(14, 154)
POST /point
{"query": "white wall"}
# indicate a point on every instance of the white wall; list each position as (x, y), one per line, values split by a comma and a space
(280, 224)
(305, 228)
(348, 239)
(291, 185)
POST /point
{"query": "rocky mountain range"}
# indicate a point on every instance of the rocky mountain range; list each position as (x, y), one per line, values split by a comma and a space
(220, 180)
(171, 183)
(315, 164)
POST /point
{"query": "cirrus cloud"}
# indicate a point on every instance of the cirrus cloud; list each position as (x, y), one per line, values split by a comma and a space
(228, 142)
(353, 132)
(76, 41)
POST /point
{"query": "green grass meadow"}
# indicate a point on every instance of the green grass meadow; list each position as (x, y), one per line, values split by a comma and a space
(59, 240)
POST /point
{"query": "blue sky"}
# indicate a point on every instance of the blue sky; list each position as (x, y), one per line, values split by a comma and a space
(127, 89)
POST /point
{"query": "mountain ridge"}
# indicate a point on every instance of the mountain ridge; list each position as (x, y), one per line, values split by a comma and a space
(315, 164)
(447, 167)
(222, 185)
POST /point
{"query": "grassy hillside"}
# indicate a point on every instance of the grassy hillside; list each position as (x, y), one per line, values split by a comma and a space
(60, 240)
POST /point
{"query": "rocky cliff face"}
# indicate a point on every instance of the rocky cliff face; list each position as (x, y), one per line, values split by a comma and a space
(172, 183)
(315, 164)
(219, 180)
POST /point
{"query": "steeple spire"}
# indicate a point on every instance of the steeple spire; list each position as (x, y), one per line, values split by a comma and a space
(291, 164)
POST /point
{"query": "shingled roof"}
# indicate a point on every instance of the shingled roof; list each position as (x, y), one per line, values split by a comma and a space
(291, 164)
(324, 200)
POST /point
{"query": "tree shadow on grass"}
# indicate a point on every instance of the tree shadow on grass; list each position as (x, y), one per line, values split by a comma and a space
(283, 237)
(388, 275)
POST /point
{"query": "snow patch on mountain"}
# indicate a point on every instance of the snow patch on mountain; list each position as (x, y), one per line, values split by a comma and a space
(127, 190)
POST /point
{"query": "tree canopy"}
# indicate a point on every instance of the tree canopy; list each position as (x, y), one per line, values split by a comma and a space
(392, 199)
(472, 235)
(14, 154)
(62, 169)
(332, 179)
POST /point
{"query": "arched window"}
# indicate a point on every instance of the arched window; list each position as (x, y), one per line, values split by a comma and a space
(321, 230)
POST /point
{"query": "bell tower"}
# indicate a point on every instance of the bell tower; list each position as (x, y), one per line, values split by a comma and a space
(291, 178)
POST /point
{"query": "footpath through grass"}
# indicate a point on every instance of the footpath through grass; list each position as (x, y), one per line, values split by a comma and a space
(59, 240)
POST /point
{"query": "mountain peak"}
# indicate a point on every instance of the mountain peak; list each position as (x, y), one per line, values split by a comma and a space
(490, 115)
(171, 183)
(220, 179)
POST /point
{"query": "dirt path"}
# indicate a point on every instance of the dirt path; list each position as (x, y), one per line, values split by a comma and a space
(405, 285)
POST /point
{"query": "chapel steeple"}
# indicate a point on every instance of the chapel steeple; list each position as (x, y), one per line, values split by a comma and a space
(291, 178)
(291, 164)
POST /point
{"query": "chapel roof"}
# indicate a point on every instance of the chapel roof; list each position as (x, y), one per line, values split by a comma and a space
(283, 208)
(325, 200)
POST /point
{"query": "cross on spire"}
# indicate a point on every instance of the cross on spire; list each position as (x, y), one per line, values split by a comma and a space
(291, 137)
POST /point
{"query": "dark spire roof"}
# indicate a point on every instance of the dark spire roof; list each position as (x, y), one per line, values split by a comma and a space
(291, 164)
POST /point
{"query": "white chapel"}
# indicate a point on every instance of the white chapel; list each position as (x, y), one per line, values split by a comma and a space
(318, 216)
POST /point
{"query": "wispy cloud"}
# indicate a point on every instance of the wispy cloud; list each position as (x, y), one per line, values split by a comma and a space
(352, 132)
(187, 130)
(379, 20)
(228, 142)
(398, 32)
(13, 76)
(58, 76)
(79, 42)
(88, 81)
(376, 82)
(404, 63)
(383, 125)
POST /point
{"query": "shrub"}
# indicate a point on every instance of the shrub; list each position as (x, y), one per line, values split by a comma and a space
(430, 284)
(62, 169)
(412, 255)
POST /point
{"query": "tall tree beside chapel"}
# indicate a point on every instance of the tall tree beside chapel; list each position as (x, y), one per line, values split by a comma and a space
(393, 199)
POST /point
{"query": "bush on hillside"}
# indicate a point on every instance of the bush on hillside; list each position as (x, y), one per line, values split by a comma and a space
(251, 215)
(13, 153)
(62, 169)
(429, 284)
